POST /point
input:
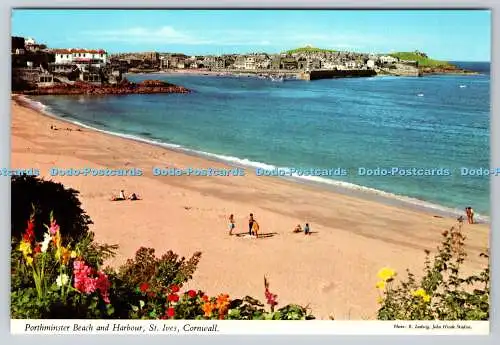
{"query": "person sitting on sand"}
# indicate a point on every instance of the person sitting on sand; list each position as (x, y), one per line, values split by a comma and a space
(231, 224)
(120, 197)
(297, 229)
(250, 224)
(306, 229)
(133, 196)
(255, 229)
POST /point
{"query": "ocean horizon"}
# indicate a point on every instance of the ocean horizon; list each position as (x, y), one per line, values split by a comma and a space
(435, 122)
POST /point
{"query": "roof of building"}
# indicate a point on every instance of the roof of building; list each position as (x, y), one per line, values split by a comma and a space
(73, 51)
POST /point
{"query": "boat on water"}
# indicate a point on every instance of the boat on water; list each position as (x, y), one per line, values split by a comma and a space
(277, 78)
(420, 95)
(463, 86)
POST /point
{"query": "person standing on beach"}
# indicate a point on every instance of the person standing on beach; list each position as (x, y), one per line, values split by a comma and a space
(231, 224)
(250, 224)
(306, 229)
(468, 213)
(471, 211)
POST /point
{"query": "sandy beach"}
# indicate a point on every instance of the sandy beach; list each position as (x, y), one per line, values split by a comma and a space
(333, 270)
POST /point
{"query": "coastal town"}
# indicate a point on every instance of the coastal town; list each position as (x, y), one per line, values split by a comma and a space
(35, 66)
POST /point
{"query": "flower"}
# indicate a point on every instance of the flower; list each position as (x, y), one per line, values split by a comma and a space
(29, 234)
(386, 274)
(83, 282)
(62, 280)
(46, 241)
(29, 260)
(421, 293)
(73, 254)
(170, 312)
(173, 297)
(380, 300)
(144, 287)
(37, 249)
(380, 285)
(25, 248)
(207, 308)
(191, 293)
(174, 288)
(103, 285)
(54, 228)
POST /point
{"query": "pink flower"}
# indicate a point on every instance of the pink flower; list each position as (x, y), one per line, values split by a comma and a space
(86, 283)
(54, 228)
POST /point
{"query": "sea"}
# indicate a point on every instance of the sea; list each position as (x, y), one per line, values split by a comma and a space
(423, 142)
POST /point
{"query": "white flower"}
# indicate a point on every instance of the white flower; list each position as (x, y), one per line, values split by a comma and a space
(46, 241)
(62, 280)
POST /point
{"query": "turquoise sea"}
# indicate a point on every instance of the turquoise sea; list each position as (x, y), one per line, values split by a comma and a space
(432, 122)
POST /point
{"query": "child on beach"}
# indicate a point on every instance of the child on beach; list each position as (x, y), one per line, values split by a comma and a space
(297, 229)
(306, 229)
(255, 229)
(231, 224)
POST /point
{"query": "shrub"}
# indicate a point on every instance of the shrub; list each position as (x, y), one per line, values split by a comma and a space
(443, 293)
(30, 192)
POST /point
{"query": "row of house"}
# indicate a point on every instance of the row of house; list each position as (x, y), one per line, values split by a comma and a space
(34, 63)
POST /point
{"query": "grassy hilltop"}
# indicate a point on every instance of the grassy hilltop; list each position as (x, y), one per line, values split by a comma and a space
(422, 59)
(309, 50)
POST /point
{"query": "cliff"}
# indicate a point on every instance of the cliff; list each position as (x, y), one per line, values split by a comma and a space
(124, 88)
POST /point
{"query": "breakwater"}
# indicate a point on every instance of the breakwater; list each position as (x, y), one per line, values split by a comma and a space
(330, 74)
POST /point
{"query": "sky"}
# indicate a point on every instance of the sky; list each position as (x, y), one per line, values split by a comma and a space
(453, 35)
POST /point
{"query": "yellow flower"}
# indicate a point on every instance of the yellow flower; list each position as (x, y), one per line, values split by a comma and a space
(25, 248)
(386, 274)
(380, 300)
(73, 254)
(380, 285)
(29, 260)
(421, 293)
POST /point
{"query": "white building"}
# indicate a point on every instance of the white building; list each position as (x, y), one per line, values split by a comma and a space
(370, 64)
(387, 59)
(250, 62)
(80, 57)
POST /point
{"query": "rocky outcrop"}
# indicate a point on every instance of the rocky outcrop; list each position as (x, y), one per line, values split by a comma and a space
(445, 70)
(124, 88)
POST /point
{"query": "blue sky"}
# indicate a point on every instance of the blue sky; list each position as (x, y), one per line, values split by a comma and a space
(444, 34)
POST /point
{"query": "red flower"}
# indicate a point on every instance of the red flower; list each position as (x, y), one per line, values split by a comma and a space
(174, 288)
(144, 287)
(29, 234)
(37, 249)
(204, 298)
(191, 293)
(173, 297)
(170, 312)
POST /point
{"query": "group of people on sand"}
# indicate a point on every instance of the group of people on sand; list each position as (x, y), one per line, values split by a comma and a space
(253, 225)
(306, 230)
(122, 196)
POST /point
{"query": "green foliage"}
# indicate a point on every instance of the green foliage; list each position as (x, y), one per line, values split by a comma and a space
(309, 50)
(443, 292)
(422, 59)
(46, 196)
(159, 272)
